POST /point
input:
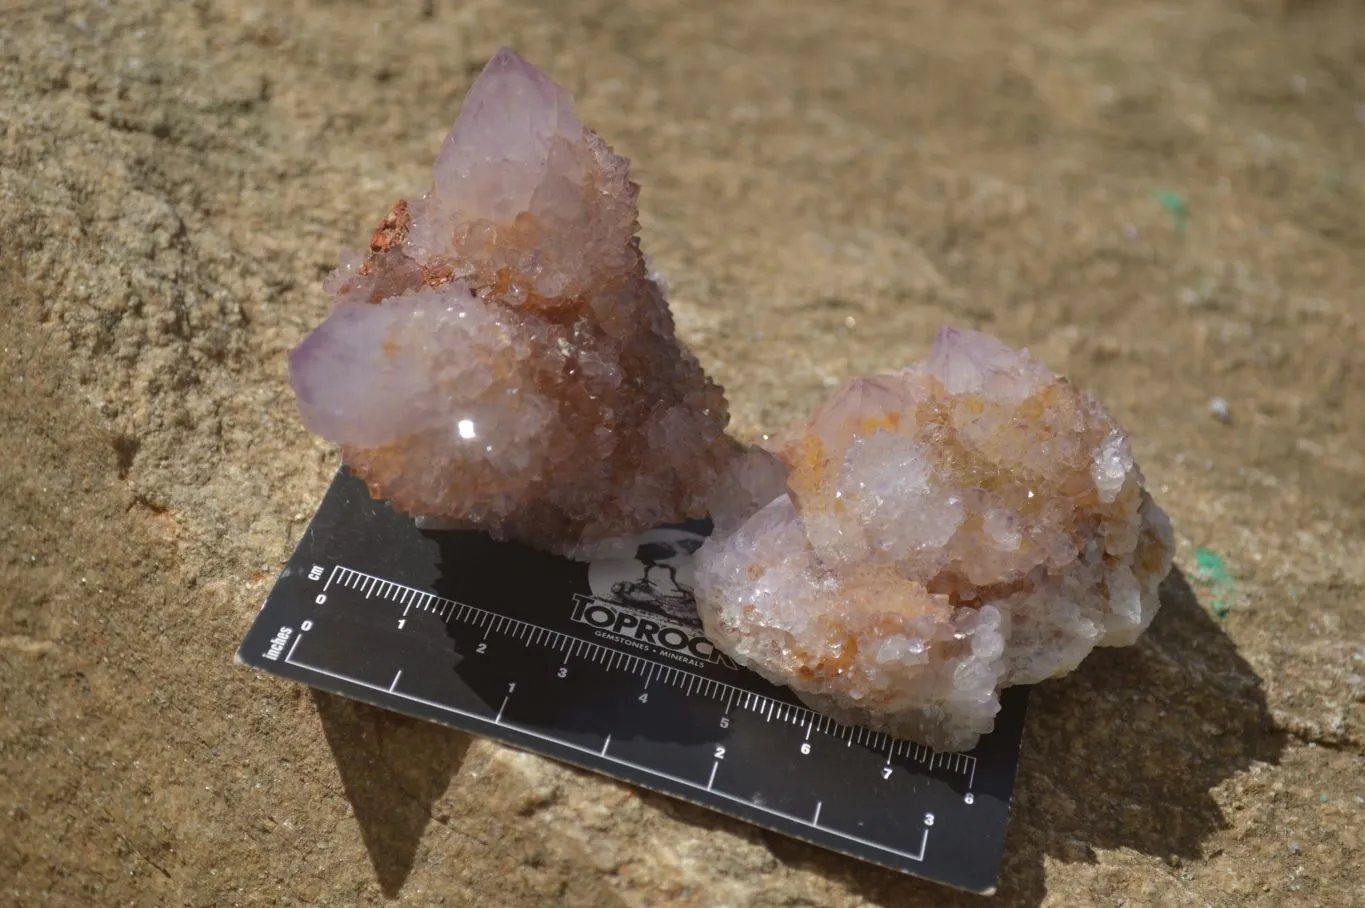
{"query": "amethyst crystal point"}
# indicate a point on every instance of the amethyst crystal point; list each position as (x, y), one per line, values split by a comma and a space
(500, 357)
(512, 113)
(501, 149)
(940, 533)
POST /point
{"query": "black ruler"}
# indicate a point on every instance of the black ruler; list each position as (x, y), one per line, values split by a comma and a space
(604, 666)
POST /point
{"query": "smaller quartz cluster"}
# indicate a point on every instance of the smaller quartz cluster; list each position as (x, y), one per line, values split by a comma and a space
(502, 358)
(963, 525)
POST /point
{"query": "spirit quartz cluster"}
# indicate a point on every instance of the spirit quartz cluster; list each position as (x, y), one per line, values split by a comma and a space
(942, 532)
(502, 359)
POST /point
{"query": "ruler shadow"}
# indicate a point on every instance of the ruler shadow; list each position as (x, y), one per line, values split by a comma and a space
(393, 768)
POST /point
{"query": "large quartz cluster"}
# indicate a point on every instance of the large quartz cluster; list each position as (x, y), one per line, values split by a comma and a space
(501, 358)
(943, 532)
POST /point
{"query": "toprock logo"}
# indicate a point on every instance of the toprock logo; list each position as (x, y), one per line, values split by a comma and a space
(646, 601)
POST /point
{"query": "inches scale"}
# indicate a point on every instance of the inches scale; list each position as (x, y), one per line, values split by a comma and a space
(604, 666)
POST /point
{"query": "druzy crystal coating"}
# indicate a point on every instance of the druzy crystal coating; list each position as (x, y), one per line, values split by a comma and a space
(944, 531)
(501, 358)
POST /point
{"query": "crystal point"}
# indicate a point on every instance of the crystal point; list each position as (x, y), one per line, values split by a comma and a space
(512, 113)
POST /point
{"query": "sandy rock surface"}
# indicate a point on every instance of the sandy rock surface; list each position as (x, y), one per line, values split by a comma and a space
(1162, 200)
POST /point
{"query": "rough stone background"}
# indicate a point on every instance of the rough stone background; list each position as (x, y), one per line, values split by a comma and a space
(825, 183)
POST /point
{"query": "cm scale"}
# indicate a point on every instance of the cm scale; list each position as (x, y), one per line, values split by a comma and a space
(604, 666)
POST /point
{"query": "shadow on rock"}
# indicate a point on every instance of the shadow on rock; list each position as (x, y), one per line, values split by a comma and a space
(393, 768)
(1123, 753)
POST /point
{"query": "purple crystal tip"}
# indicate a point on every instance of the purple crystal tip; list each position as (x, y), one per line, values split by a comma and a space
(512, 113)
